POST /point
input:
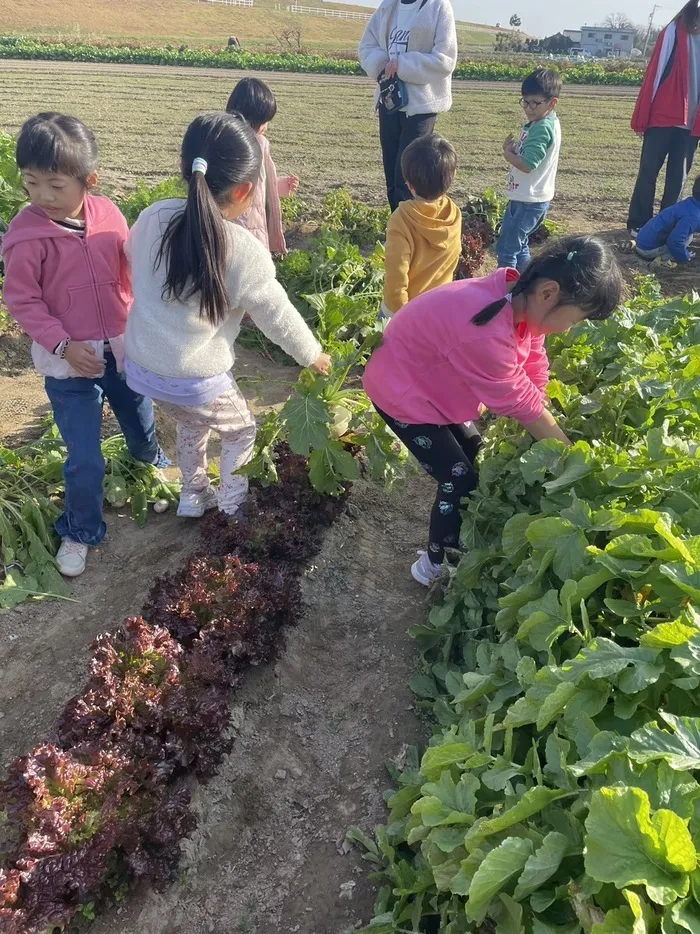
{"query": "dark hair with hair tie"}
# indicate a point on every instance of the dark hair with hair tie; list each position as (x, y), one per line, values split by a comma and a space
(195, 242)
(586, 271)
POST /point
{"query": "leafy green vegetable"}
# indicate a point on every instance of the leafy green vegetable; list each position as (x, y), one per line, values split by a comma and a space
(563, 659)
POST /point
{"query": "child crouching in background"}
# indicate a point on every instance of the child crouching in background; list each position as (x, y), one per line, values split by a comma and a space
(671, 232)
(424, 235)
(256, 103)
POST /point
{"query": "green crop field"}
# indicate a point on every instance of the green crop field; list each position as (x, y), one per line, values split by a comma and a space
(326, 130)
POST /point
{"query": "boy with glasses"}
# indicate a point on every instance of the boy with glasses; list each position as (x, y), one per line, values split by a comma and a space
(534, 160)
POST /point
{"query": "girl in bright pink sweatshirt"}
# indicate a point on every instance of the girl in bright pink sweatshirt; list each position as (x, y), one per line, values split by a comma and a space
(255, 102)
(67, 285)
(477, 344)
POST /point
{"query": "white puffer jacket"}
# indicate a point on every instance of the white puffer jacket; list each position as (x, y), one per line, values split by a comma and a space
(428, 64)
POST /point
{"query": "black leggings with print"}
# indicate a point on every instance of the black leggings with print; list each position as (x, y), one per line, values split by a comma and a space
(447, 453)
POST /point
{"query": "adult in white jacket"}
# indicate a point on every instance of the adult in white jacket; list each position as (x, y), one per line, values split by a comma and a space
(416, 40)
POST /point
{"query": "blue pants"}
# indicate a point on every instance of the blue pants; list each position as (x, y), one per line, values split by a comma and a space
(520, 221)
(77, 407)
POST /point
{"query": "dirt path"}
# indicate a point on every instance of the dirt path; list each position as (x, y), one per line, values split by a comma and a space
(579, 90)
(313, 732)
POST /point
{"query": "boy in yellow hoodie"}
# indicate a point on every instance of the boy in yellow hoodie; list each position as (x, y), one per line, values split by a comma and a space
(424, 236)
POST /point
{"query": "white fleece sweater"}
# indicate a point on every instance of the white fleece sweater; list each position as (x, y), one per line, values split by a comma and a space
(428, 64)
(173, 339)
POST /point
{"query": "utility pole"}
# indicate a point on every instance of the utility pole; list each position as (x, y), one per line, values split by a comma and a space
(650, 27)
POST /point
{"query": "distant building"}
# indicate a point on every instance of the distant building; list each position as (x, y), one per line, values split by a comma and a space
(574, 35)
(604, 42)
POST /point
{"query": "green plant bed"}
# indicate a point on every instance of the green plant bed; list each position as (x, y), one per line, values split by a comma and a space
(558, 792)
(27, 48)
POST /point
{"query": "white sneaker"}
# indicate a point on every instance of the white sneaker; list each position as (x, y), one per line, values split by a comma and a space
(424, 571)
(71, 558)
(194, 505)
(634, 232)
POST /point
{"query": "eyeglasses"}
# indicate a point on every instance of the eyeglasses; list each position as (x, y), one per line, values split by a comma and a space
(533, 105)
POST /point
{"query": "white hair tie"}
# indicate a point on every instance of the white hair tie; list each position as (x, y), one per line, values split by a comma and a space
(200, 165)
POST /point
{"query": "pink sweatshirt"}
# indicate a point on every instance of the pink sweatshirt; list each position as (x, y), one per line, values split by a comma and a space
(264, 216)
(434, 367)
(58, 285)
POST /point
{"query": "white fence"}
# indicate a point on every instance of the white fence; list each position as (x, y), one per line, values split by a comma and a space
(230, 2)
(337, 14)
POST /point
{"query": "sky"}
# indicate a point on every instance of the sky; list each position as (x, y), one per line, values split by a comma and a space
(545, 17)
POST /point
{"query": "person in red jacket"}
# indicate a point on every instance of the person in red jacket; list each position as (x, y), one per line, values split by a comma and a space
(667, 115)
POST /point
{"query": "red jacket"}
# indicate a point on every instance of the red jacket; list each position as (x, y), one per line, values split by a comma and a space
(663, 98)
(58, 285)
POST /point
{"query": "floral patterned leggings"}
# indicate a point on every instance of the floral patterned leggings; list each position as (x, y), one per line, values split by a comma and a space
(230, 417)
(446, 453)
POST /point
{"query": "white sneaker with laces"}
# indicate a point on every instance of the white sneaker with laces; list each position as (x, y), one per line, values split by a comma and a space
(424, 571)
(71, 558)
(194, 505)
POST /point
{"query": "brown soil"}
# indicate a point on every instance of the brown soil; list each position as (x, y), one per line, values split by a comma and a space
(268, 855)
(313, 732)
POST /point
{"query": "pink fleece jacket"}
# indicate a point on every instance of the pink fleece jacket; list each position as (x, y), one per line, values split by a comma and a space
(264, 216)
(435, 367)
(58, 285)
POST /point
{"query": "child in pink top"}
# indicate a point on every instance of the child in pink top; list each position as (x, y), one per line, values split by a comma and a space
(480, 343)
(67, 285)
(255, 102)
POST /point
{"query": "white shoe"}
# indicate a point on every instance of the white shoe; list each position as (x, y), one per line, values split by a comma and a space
(634, 232)
(71, 558)
(194, 505)
(424, 571)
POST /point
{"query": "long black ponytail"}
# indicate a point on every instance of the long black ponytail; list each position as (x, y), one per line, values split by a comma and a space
(195, 242)
(585, 269)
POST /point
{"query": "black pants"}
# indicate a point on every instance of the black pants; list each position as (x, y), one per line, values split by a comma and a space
(661, 143)
(396, 131)
(447, 453)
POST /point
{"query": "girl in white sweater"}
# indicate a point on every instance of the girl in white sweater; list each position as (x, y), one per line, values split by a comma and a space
(194, 276)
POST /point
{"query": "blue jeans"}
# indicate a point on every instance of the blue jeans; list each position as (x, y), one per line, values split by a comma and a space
(520, 221)
(77, 407)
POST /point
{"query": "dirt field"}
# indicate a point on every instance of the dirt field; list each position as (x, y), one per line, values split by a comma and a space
(139, 115)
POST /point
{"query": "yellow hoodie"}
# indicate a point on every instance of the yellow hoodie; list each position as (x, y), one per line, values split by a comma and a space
(423, 245)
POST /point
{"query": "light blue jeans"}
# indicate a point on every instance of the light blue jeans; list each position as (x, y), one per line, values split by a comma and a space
(520, 221)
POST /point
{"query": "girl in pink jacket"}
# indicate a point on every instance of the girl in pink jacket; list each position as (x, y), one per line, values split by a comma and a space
(480, 343)
(256, 103)
(66, 284)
